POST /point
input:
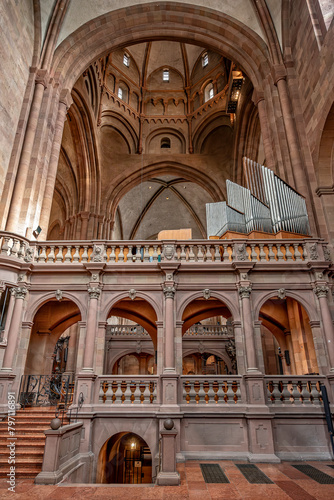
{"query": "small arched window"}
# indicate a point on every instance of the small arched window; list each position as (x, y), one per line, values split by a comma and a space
(126, 59)
(165, 75)
(205, 59)
(209, 92)
(165, 143)
(123, 92)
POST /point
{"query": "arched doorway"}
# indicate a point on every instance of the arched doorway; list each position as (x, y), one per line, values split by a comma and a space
(287, 341)
(125, 458)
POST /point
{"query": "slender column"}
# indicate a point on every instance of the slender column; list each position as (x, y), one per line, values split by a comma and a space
(244, 292)
(259, 101)
(13, 333)
(91, 330)
(13, 221)
(64, 104)
(169, 292)
(327, 322)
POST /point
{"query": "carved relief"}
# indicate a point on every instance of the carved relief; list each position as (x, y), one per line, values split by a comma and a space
(314, 252)
(206, 294)
(132, 294)
(241, 251)
(59, 295)
(281, 294)
(168, 251)
(19, 292)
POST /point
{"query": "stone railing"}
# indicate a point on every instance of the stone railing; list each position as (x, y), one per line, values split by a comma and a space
(209, 331)
(130, 252)
(127, 390)
(297, 390)
(118, 331)
(211, 390)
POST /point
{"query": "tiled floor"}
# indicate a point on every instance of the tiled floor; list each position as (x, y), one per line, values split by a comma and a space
(289, 484)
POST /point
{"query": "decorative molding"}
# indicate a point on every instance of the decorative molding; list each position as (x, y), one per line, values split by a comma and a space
(206, 293)
(327, 253)
(321, 291)
(59, 295)
(168, 251)
(132, 294)
(94, 293)
(314, 252)
(245, 291)
(19, 292)
(169, 292)
(29, 255)
(241, 251)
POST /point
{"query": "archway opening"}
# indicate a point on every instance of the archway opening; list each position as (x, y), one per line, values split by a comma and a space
(287, 341)
(125, 458)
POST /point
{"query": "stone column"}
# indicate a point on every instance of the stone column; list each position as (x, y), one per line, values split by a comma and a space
(9, 317)
(289, 346)
(14, 224)
(65, 102)
(169, 293)
(259, 101)
(327, 322)
(91, 330)
(244, 292)
(14, 328)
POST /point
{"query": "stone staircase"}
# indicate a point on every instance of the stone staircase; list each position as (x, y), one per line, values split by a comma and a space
(30, 425)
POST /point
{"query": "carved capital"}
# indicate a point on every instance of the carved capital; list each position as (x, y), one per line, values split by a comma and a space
(66, 98)
(321, 291)
(169, 292)
(19, 292)
(42, 77)
(245, 291)
(257, 96)
(278, 73)
(94, 293)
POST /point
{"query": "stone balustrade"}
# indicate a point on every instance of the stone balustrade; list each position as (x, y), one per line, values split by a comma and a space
(294, 391)
(127, 390)
(193, 251)
(209, 331)
(211, 390)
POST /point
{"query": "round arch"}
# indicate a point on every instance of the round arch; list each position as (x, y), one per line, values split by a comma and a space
(37, 302)
(209, 350)
(205, 27)
(109, 304)
(263, 298)
(231, 306)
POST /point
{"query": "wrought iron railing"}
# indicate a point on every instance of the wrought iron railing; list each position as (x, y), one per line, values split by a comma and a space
(46, 390)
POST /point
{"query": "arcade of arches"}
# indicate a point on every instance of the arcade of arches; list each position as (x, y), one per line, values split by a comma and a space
(118, 126)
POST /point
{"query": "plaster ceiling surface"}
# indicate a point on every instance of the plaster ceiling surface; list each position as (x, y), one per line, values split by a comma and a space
(83, 11)
(171, 213)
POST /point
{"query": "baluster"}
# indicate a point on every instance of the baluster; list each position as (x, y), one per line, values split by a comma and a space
(306, 396)
(139, 254)
(183, 255)
(303, 253)
(42, 255)
(154, 393)
(230, 393)
(262, 254)
(147, 393)
(191, 254)
(108, 392)
(59, 257)
(276, 393)
(315, 394)
(127, 393)
(102, 392)
(84, 256)
(211, 394)
(118, 392)
(286, 394)
(297, 253)
(200, 393)
(121, 254)
(200, 254)
(288, 253)
(271, 255)
(5, 246)
(51, 256)
(238, 393)
(155, 253)
(280, 255)
(112, 256)
(76, 256)
(192, 393)
(217, 257)
(15, 247)
(208, 255)
(136, 393)
(220, 393)
(68, 255)
(253, 255)
(296, 394)
(185, 392)
(129, 256)
(147, 253)
(232, 255)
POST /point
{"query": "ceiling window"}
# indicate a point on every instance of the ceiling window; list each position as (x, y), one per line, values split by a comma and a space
(126, 59)
(165, 75)
(165, 143)
(205, 59)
